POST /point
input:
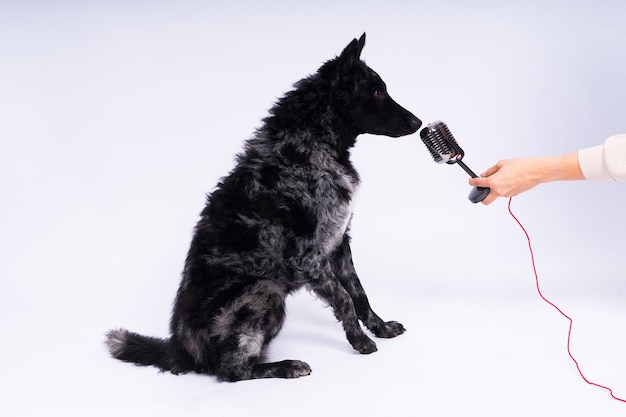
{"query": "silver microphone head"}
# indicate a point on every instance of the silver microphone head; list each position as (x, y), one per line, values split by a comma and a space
(441, 143)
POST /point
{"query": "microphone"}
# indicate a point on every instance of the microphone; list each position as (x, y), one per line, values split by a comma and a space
(444, 148)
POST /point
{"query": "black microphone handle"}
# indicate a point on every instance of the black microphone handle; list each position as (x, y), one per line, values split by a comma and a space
(467, 169)
(477, 194)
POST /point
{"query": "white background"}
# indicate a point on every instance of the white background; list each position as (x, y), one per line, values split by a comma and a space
(117, 117)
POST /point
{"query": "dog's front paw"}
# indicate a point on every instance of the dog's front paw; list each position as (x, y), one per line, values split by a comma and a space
(363, 344)
(388, 329)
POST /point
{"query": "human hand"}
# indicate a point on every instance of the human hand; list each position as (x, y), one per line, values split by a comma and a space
(510, 177)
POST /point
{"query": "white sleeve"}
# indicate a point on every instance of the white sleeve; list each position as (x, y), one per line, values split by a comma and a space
(606, 161)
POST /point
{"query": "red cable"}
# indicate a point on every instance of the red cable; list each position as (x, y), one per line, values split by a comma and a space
(569, 333)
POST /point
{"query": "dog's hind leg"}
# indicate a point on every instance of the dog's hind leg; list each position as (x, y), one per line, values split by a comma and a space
(283, 369)
(246, 363)
(343, 267)
(244, 328)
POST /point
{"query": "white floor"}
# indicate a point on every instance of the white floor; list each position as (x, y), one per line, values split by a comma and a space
(117, 118)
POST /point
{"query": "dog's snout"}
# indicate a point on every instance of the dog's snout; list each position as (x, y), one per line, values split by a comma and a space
(411, 124)
(415, 124)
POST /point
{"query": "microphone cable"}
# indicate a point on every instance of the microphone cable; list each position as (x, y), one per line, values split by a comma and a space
(571, 322)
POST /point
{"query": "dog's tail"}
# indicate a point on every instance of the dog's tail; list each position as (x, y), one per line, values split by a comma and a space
(141, 350)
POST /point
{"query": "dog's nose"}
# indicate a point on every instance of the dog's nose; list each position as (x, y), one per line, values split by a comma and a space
(415, 124)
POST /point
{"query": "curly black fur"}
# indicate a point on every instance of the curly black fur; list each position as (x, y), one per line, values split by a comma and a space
(276, 223)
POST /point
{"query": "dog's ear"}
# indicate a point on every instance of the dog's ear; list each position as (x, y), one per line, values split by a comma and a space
(361, 43)
(350, 56)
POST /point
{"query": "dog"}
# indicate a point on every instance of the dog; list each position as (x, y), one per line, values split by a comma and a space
(279, 221)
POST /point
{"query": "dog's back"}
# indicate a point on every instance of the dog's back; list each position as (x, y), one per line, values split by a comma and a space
(276, 223)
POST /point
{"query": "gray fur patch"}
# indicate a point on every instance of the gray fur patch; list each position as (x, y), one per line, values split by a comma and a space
(116, 340)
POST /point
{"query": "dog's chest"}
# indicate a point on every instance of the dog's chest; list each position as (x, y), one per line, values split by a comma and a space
(341, 215)
(346, 216)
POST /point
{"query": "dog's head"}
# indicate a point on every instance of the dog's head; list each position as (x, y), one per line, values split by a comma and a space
(362, 96)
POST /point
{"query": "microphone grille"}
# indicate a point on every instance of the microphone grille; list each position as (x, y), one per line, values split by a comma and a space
(441, 143)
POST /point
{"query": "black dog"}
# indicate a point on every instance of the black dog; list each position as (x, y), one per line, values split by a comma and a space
(276, 223)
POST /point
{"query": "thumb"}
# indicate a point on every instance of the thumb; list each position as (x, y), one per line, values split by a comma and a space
(478, 182)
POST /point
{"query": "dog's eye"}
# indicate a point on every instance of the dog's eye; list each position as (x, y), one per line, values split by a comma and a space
(379, 94)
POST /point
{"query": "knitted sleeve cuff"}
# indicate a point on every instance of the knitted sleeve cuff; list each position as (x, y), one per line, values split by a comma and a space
(606, 161)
